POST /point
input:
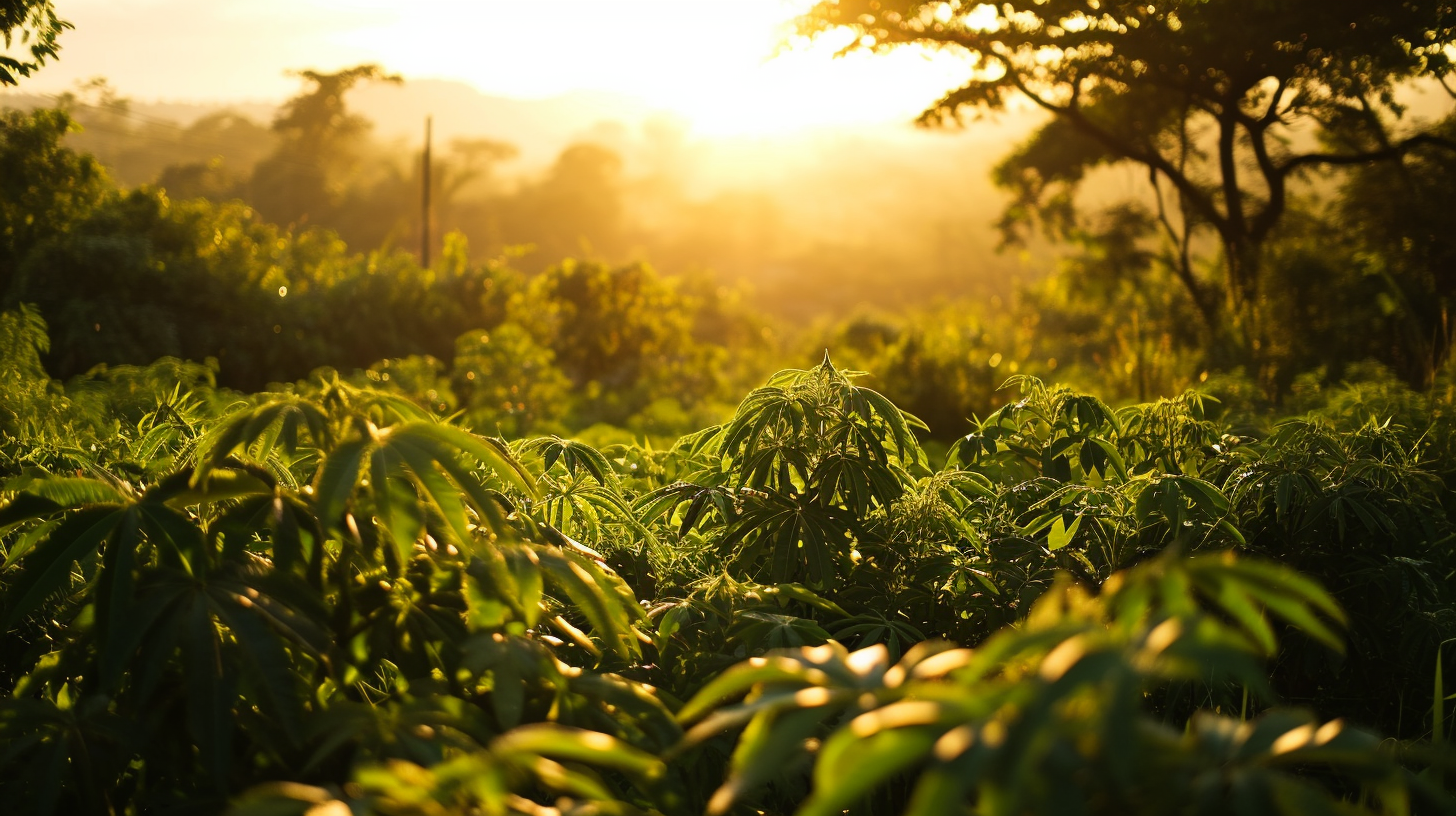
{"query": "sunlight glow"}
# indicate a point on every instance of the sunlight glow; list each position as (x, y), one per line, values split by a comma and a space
(731, 68)
(728, 69)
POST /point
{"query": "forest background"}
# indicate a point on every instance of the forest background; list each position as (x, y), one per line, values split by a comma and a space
(942, 261)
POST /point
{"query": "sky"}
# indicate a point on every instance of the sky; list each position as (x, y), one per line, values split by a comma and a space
(727, 66)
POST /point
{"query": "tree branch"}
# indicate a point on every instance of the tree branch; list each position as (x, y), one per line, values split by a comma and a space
(1394, 151)
(1152, 159)
(1233, 197)
(1271, 114)
(1274, 180)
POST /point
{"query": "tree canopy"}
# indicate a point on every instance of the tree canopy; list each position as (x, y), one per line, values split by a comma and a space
(35, 25)
(1217, 100)
(319, 141)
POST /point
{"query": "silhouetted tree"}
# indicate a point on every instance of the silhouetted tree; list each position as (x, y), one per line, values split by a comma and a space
(319, 147)
(1402, 217)
(1208, 96)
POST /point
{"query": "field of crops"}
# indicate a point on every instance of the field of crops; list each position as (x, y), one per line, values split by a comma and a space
(333, 601)
(343, 474)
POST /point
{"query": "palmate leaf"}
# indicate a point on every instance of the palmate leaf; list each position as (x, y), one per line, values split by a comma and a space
(335, 482)
(700, 443)
(583, 507)
(65, 492)
(758, 631)
(870, 405)
(44, 498)
(602, 598)
(263, 658)
(488, 451)
(418, 471)
(797, 539)
(789, 409)
(664, 500)
(872, 628)
(859, 483)
(988, 725)
(259, 430)
(576, 457)
(228, 630)
(1242, 586)
(569, 573)
(47, 568)
(222, 484)
(39, 743)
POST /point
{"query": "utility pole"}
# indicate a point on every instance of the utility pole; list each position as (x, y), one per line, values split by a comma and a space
(425, 201)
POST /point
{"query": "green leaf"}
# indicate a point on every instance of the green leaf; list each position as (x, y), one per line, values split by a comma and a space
(742, 677)
(336, 481)
(266, 661)
(1062, 533)
(69, 491)
(48, 567)
(578, 745)
(851, 765)
(220, 485)
(27, 541)
(490, 452)
(769, 744)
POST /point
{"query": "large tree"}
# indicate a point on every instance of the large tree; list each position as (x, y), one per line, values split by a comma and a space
(34, 24)
(1224, 103)
(319, 143)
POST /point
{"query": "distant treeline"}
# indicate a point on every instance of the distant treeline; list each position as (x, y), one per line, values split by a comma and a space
(610, 194)
(258, 268)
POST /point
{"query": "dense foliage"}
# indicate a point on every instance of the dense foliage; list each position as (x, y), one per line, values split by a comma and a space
(326, 594)
(1230, 111)
(129, 276)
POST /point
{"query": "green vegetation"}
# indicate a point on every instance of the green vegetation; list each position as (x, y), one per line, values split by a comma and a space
(286, 528)
(331, 594)
(33, 25)
(1230, 114)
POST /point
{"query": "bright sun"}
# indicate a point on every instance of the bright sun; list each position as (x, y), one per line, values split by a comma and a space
(717, 64)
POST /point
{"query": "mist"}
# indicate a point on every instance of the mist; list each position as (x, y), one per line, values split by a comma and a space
(811, 224)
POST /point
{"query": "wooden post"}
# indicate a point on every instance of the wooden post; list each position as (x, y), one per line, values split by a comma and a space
(425, 201)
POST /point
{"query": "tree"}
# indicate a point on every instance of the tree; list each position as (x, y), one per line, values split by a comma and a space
(1401, 217)
(37, 26)
(45, 188)
(1215, 99)
(319, 146)
(619, 333)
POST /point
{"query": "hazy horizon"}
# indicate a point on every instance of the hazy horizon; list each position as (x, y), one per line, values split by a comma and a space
(738, 72)
(777, 209)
